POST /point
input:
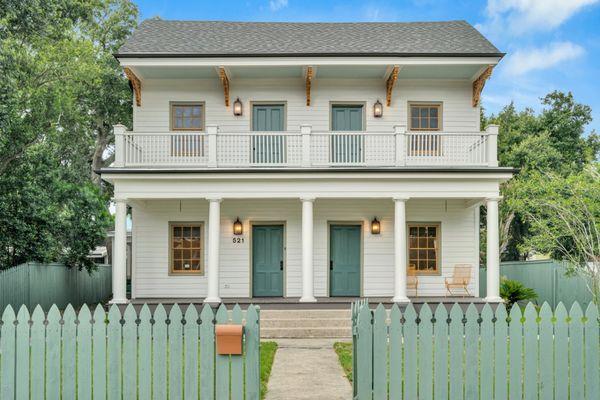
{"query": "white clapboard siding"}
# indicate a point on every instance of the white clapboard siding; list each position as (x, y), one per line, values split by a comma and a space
(150, 220)
(455, 96)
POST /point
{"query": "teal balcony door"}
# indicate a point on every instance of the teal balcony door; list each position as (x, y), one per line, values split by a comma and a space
(345, 260)
(268, 148)
(346, 147)
(267, 260)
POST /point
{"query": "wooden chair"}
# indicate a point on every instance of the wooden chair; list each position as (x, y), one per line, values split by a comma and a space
(461, 277)
(412, 280)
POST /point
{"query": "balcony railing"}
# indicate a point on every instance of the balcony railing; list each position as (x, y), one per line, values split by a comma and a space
(305, 149)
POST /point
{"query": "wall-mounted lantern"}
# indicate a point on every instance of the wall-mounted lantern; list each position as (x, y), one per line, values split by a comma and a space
(375, 226)
(377, 109)
(237, 107)
(238, 228)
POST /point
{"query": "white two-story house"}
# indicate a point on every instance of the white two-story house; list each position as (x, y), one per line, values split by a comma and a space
(305, 161)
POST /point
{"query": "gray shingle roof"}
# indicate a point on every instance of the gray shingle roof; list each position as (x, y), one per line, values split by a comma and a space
(219, 38)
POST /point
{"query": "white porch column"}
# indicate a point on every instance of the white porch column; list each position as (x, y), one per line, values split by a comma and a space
(119, 261)
(214, 231)
(493, 252)
(400, 250)
(308, 291)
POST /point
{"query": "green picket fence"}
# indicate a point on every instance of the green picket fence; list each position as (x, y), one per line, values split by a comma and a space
(547, 278)
(111, 355)
(434, 354)
(33, 284)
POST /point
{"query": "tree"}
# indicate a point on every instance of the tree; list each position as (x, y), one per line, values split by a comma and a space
(107, 96)
(553, 141)
(61, 92)
(564, 218)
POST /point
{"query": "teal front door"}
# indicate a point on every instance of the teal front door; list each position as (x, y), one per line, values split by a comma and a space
(346, 147)
(267, 260)
(268, 148)
(345, 260)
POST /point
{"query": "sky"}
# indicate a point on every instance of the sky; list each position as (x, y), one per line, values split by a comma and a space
(550, 44)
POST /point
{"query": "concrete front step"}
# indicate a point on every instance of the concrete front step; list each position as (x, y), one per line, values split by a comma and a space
(319, 323)
(319, 314)
(274, 333)
(305, 322)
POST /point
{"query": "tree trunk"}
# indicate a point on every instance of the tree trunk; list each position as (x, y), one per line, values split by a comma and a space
(103, 139)
(505, 226)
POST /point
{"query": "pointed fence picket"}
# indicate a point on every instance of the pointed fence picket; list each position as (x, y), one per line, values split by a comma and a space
(482, 354)
(114, 355)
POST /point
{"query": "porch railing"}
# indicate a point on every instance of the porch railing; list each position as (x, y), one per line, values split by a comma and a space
(305, 149)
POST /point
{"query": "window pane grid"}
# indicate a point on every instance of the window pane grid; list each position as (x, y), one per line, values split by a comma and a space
(424, 117)
(423, 248)
(186, 117)
(186, 248)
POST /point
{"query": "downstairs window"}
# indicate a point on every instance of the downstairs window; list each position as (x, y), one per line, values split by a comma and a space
(186, 248)
(424, 249)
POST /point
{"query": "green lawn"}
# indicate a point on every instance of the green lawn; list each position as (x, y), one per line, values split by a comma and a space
(267, 354)
(344, 352)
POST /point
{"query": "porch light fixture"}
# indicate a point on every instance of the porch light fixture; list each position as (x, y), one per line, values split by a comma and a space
(238, 228)
(237, 107)
(377, 109)
(375, 226)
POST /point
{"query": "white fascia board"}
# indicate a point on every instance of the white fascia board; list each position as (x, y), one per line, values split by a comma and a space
(311, 176)
(239, 187)
(303, 61)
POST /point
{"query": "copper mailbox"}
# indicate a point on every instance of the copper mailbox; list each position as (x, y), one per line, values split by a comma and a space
(229, 339)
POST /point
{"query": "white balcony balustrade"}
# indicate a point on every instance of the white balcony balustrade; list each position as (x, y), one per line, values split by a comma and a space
(305, 149)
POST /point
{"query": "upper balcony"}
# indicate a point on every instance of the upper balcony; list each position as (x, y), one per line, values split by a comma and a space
(305, 148)
(427, 76)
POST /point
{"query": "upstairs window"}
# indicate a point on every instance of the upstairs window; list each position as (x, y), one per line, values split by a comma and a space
(425, 117)
(187, 116)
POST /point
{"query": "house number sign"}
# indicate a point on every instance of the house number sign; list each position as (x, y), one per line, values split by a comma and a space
(238, 240)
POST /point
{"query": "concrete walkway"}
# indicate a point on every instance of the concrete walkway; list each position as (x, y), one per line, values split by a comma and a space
(307, 369)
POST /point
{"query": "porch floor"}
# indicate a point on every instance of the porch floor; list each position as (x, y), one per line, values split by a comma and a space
(292, 303)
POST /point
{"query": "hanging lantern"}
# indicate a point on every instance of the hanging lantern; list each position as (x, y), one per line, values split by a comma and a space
(377, 109)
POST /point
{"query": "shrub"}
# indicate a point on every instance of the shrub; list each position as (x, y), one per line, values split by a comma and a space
(514, 292)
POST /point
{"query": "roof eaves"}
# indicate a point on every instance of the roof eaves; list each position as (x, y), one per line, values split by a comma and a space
(232, 55)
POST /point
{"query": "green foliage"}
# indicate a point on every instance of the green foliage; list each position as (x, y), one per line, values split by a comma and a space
(514, 292)
(60, 93)
(563, 214)
(551, 142)
(344, 353)
(267, 355)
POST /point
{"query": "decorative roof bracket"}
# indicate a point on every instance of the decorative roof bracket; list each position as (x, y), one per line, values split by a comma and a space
(136, 85)
(479, 83)
(309, 78)
(389, 85)
(225, 82)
